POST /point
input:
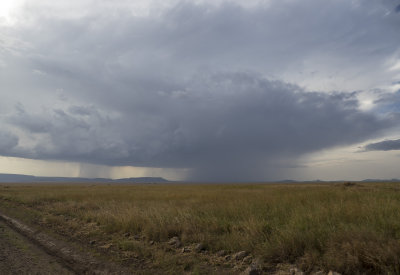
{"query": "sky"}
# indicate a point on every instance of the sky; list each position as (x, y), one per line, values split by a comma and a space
(201, 90)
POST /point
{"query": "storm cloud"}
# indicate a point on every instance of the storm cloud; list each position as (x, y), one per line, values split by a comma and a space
(8, 142)
(386, 145)
(239, 123)
(231, 91)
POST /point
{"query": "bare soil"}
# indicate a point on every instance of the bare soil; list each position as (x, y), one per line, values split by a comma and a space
(20, 256)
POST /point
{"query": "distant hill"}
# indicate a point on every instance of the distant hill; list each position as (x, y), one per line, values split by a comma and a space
(14, 178)
(381, 180)
(332, 181)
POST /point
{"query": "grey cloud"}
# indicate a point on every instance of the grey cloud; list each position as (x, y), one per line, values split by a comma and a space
(82, 110)
(386, 145)
(223, 126)
(28, 122)
(119, 52)
(8, 142)
(388, 103)
(193, 86)
(397, 8)
(78, 134)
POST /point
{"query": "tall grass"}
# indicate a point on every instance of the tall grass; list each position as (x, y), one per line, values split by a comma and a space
(348, 229)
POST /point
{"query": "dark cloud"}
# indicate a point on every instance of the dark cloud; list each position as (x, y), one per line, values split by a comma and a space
(8, 142)
(223, 126)
(397, 8)
(386, 145)
(32, 124)
(388, 103)
(80, 133)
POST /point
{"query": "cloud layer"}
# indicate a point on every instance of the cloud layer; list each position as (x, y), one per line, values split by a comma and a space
(226, 89)
(236, 123)
(386, 145)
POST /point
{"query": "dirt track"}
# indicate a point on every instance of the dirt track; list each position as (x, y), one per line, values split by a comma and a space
(19, 256)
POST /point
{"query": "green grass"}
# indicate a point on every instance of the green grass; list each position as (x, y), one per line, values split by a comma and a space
(348, 229)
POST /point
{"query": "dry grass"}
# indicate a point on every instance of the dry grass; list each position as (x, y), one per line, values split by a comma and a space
(347, 228)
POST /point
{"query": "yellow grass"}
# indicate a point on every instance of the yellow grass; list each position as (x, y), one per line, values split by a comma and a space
(317, 226)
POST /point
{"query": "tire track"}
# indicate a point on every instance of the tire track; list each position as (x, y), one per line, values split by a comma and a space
(19, 256)
(73, 261)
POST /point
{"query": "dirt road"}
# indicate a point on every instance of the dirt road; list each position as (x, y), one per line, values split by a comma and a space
(20, 256)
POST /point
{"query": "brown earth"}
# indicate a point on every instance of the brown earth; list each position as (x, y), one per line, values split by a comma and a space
(19, 256)
(24, 241)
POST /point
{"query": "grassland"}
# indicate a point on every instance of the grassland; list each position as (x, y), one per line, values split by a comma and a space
(347, 228)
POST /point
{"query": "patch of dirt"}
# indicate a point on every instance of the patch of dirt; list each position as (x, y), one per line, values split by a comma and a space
(78, 262)
(19, 256)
